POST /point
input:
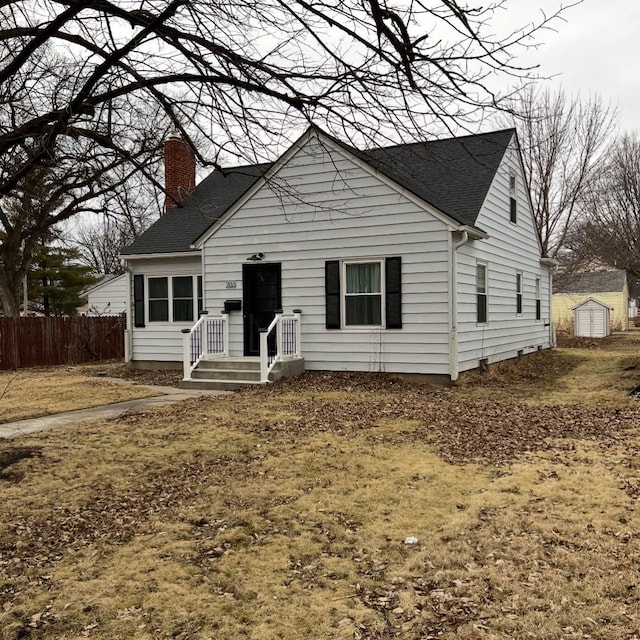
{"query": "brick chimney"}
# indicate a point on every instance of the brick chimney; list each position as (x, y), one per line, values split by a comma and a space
(179, 171)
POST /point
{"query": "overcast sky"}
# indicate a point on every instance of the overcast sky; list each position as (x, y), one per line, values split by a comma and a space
(597, 49)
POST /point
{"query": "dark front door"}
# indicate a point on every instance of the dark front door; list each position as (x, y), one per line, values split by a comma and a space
(262, 295)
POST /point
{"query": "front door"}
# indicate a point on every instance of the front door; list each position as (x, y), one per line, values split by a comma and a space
(262, 296)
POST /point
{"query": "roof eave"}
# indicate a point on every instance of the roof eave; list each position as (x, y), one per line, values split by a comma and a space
(147, 256)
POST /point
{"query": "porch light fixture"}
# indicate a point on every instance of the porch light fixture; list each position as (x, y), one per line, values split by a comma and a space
(256, 257)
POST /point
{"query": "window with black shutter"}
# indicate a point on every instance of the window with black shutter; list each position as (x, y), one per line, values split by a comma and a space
(364, 293)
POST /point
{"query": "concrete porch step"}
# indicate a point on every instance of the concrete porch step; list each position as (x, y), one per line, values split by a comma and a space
(248, 363)
(229, 374)
(217, 385)
(250, 375)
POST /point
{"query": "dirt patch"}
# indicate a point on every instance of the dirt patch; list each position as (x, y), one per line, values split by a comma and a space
(139, 376)
(569, 341)
(11, 457)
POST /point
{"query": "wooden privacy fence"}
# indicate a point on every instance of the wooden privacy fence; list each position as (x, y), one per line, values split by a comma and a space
(42, 342)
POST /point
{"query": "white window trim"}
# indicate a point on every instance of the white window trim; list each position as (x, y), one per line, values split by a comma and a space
(343, 296)
(170, 277)
(519, 292)
(484, 264)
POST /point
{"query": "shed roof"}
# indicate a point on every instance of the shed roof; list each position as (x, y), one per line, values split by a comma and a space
(453, 175)
(591, 301)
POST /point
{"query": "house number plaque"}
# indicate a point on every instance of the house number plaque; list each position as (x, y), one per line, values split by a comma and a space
(231, 284)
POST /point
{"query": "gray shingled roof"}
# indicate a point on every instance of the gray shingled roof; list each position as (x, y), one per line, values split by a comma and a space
(453, 175)
(590, 282)
(177, 230)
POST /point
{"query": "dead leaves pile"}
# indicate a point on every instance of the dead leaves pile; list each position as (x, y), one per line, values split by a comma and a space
(476, 431)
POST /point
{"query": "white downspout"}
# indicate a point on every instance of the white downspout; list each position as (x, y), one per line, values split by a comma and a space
(453, 338)
(128, 334)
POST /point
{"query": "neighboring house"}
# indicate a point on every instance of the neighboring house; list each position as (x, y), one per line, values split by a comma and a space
(107, 298)
(413, 259)
(608, 287)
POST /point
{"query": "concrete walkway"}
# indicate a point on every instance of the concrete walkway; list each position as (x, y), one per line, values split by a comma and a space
(170, 395)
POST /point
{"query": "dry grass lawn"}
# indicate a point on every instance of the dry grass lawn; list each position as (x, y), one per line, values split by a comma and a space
(29, 393)
(284, 512)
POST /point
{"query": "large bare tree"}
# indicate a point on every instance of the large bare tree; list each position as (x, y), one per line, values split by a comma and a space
(87, 85)
(610, 230)
(563, 141)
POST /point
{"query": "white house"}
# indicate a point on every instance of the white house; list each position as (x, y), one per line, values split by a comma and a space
(108, 297)
(414, 259)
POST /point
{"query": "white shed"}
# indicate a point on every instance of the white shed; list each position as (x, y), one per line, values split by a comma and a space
(592, 319)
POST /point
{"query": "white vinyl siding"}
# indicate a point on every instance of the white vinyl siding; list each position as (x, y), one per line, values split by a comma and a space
(109, 298)
(509, 248)
(339, 212)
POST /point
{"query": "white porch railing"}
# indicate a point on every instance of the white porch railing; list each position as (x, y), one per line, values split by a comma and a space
(285, 344)
(208, 337)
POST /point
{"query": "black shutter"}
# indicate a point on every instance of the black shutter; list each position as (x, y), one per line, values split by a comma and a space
(332, 293)
(393, 292)
(138, 301)
(514, 210)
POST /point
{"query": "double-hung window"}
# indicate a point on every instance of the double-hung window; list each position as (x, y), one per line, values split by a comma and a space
(481, 293)
(513, 202)
(363, 293)
(538, 300)
(518, 293)
(158, 299)
(173, 298)
(182, 298)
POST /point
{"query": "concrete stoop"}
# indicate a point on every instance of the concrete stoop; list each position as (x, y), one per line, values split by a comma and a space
(230, 374)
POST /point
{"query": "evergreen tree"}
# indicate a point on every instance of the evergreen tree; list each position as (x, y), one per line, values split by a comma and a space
(56, 281)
